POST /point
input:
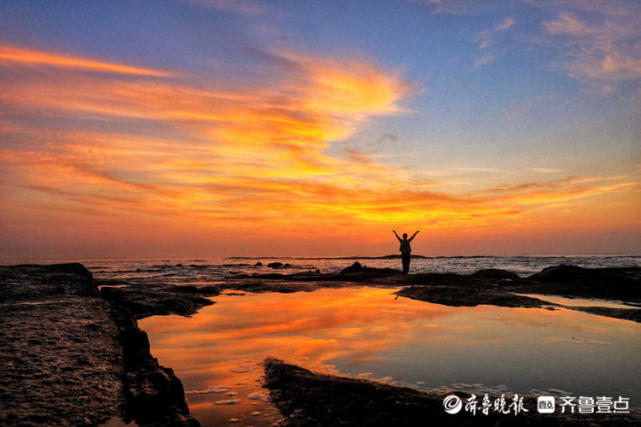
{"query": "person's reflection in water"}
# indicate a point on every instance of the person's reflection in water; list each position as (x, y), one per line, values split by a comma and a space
(406, 249)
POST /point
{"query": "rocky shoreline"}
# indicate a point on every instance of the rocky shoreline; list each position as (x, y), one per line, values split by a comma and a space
(152, 394)
(74, 355)
(306, 398)
(484, 287)
(503, 288)
(72, 352)
(61, 361)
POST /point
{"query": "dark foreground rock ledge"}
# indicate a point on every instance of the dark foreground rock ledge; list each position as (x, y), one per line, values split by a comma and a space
(153, 395)
(61, 361)
(306, 398)
(70, 357)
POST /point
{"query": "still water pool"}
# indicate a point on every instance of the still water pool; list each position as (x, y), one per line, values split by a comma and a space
(368, 332)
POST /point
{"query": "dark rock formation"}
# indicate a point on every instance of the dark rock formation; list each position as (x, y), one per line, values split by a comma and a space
(572, 274)
(354, 273)
(61, 361)
(447, 279)
(275, 265)
(354, 268)
(483, 287)
(38, 282)
(144, 300)
(306, 398)
(154, 396)
(496, 274)
(260, 286)
(633, 314)
(358, 273)
(608, 283)
(469, 297)
(69, 357)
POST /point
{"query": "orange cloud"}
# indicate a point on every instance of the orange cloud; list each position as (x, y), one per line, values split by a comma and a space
(14, 55)
(233, 156)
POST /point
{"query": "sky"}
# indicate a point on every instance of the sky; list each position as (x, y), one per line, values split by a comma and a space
(207, 128)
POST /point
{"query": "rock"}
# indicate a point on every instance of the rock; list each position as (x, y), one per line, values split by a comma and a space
(469, 297)
(58, 347)
(495, 273)
(622, 283)
(354, 268)
(358, 273)
(573, 274)
(154, 396)
(306, 398)
(71, 268)
(160, 299)
(275, 265)
(365, 273)
(39, 282)
(135, 344)
(258, 264)
(633, 314)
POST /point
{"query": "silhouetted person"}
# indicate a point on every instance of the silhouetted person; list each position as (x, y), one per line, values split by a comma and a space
(406, 250)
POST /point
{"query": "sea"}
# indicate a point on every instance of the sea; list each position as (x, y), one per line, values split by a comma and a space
(212, 270)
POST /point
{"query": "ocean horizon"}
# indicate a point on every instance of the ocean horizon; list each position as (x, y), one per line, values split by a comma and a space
(190, 270)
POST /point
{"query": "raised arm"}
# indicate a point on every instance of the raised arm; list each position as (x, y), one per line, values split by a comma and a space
(399, 239)
(414, 235)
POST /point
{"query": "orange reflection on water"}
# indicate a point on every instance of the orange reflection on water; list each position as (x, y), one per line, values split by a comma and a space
(312, 327)
(224, 344)
(367, 332)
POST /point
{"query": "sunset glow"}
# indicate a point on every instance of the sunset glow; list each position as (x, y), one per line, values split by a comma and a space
(232, 131)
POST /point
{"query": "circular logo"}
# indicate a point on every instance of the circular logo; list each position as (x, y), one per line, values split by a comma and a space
(452, 404)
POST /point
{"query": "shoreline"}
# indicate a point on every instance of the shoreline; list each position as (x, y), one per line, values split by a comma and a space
(142, 390)
(88, 351)
(60, 356)
(417, 256)
(299, 393)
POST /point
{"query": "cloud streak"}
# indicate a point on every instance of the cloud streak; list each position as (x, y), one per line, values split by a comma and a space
(11, 55)
(601, 39)
(485, 40)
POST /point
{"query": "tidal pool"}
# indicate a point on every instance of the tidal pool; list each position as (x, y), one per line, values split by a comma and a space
(369, 333)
